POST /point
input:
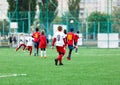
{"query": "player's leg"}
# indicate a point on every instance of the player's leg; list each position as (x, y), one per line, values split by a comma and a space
(56, 60)
(60, 58)
(61, 52)
(70, 52)
(30, 49)
(44, 53)
(41, 52)
(10, 44)
(76, 50)
(18, 47)
(35, 49)
(76, 47)
(24, 46)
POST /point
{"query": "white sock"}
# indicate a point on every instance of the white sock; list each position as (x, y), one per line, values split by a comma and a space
(35, 50)
(44, 53)
(41, 53)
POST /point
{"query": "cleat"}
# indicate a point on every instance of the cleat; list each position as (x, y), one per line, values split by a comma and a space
(45, 57)
(60, 64)
(56, 62)
(34, 54)
(68, 58)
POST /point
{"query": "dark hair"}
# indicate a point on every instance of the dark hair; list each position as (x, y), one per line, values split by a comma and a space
(37, 29)
(59, 28)
(71, 29)
(78, 32)
(65, 31)
(43, 32)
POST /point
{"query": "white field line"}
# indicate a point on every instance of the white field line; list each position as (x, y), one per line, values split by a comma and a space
(102, 54)
(12, 75)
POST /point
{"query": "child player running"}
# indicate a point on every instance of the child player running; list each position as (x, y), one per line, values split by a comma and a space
(29, 43)
(36, 36)
(70, 42)
(43, 44)
(22, 42)
(59, 40)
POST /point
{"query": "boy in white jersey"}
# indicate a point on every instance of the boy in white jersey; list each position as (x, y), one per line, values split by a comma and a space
(29, 40)
(59, 40)
(22, 42)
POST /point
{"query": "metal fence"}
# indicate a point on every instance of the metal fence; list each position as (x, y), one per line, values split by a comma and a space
(27, 24)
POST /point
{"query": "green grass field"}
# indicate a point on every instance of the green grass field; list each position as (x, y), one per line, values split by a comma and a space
(91, 66)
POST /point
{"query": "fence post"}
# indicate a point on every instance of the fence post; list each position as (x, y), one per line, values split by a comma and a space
(47, 24)
(9, 21)
(23, 26)
(98, 27)
(67, 20)
(29, 21)
(86, 30)
(94, 30)
(3, 26)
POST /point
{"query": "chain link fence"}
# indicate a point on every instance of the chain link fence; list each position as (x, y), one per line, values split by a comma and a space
(27, 24)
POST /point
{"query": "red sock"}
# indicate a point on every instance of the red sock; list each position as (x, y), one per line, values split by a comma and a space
(60, 58)
(16, 49)
(30, 51)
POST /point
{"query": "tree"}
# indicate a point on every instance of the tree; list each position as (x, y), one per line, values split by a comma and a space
(116, 19)
(99, 21)
(48, 12)
(19, 12)
(6, 24)
(74, 9)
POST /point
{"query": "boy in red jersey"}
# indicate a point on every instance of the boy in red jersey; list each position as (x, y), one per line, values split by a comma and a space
(43, 44)
(59, 40)
(76, 41)
(36, 36)
(70, 42)
(22, 42)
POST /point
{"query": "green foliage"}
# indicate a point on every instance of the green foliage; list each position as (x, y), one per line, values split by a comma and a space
(116, 19)
(57, 20)
(23, 5)
(98, 20)
(66, 18)
(6, 25)
(21, 15)
(48, 11)
(74, 9)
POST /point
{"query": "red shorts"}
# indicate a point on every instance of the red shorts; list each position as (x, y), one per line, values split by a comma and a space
(60, 49)
(29, 47)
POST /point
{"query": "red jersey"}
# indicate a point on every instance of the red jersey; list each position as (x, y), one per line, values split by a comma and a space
(36, 36)
(43, 41)
(70, 38)
(76, 38)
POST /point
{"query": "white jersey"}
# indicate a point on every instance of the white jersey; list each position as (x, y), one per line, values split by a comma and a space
(29, 41)
(22, 40)
(59, 38)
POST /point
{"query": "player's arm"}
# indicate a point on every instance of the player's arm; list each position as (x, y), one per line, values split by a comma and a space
(73, 37)
(65, 41)
(78, 36)
(53, 42)
(32, 35)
